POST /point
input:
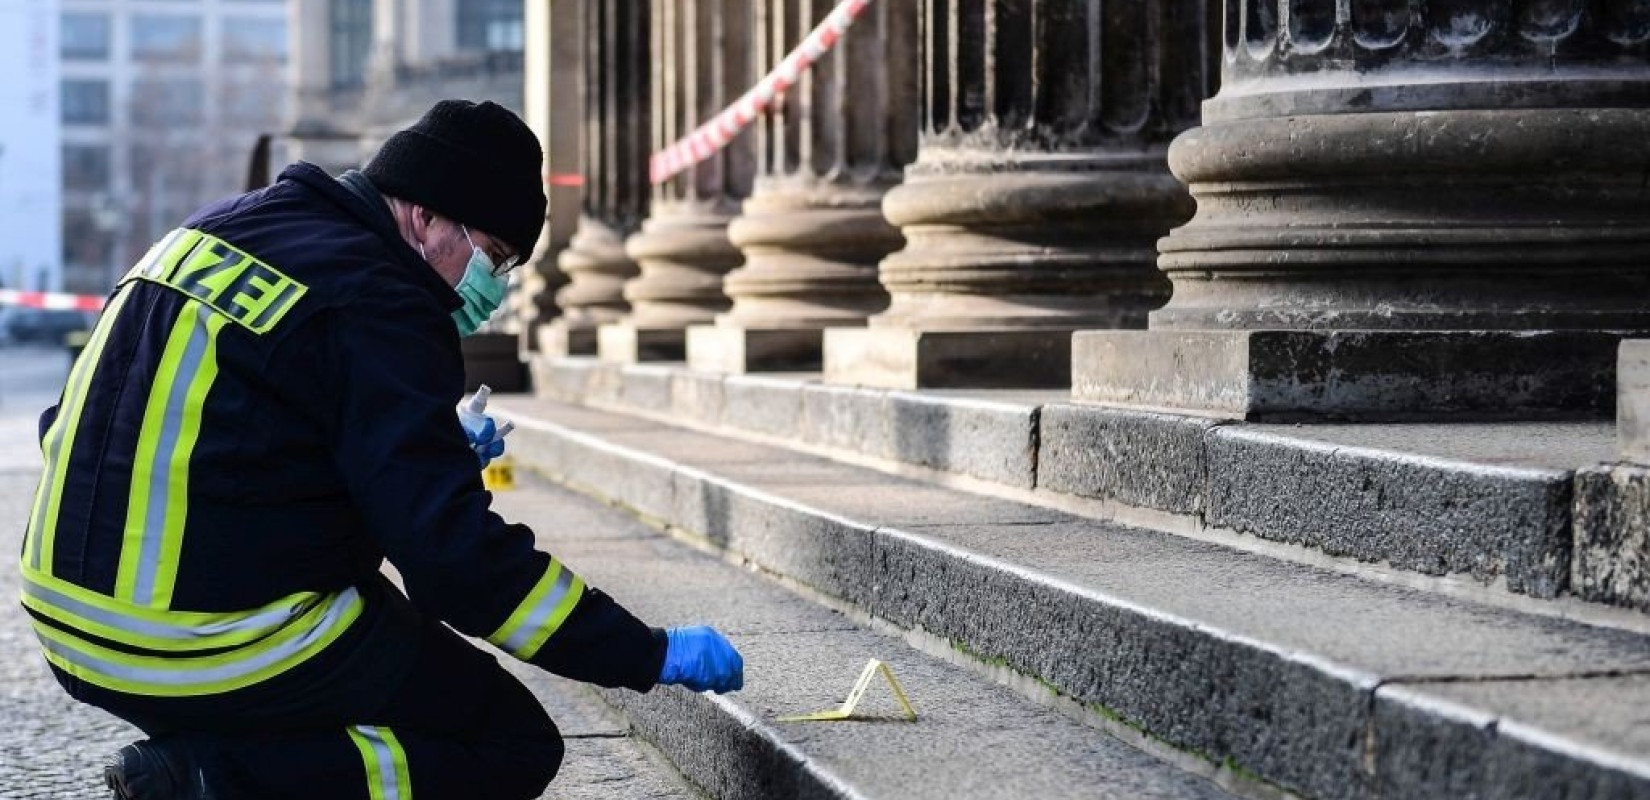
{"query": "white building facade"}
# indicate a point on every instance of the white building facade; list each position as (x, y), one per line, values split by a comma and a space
(162, 102)
(30, 246)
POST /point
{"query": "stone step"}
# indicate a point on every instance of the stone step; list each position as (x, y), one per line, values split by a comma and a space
(973, 738)
(1476, 506)
(1326, 683)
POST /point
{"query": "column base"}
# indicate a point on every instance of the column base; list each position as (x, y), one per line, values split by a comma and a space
(738, 351)
(560, 340)
(1357, 375)
(898, 358)
(624, 343)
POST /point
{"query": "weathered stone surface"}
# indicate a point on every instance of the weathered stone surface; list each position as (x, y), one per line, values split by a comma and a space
(576, 379)
(1359, 374)
(1374, 505)
(1421, 748)
(973, 738)
(1270, 664)
(763, 405)
(988, 438)
(1371, 171)
(898, 358)
(646, 387)
(1611, 563)
(1039, 189)
(1138, 458)
(696, 397)
(847, 417)
(1633, 401)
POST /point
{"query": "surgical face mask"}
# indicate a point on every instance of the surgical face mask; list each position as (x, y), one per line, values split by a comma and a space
(481, 290)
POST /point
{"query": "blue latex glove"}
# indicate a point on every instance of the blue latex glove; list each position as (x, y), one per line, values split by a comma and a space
(485, 440)
(702, 660)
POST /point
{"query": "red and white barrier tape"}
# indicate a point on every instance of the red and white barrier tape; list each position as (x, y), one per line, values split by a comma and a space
(51, 300)
(716, 134)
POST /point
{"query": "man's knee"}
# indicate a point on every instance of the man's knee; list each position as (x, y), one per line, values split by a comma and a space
(534, 749)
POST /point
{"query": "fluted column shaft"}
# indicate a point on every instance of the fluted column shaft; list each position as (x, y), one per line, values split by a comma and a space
(613, 148)
(812, 231)
(702, 63)
(1412, 168)
(1039, 188)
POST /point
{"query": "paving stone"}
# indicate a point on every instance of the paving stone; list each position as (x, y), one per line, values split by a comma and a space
(763, 404)
(1386, 505)
(1133, 457)
(646, 387)
(849, 418)
(989, 438)
(1604, 721)
(696, 396)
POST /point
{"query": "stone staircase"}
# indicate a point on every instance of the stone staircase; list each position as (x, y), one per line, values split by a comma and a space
(1325, 611)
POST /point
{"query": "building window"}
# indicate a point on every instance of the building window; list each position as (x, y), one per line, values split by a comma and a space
(254, 39)
(168, 38)
(85, 168)
(171, 103)
(85, 242)
(85, 37)
(490, 25)
(254, 104)
(351, 42)
(85, 102)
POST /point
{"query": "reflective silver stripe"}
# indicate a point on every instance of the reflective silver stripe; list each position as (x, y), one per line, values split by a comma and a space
(160, 470)
(387, 778)
(535, 621)
(161, 676)
(73, 400)
(270, 619)
(153, 262)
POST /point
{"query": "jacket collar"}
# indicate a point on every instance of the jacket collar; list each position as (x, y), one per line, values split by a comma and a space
(365, 206)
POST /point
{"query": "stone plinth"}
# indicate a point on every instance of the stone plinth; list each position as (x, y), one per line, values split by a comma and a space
(1039, 190)
(812, 232)
(1447, 176)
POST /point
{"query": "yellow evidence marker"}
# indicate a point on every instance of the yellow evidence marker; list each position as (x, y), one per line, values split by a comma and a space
(872, 669)
(499, 476)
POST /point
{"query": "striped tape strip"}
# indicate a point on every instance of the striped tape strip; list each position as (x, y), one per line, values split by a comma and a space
(52, 300)
(724, 127)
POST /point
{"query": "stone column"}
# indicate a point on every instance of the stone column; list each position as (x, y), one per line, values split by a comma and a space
(1039, 189)
(554, 49)
(702, 63)
(613, 163)
(1405, 210)
(812, 231)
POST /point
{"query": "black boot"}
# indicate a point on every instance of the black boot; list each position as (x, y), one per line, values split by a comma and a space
(150, 770)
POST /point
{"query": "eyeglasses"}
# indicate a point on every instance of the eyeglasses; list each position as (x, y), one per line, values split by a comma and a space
(501, 267)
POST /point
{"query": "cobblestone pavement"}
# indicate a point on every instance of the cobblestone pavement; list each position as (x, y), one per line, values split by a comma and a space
(52, 747)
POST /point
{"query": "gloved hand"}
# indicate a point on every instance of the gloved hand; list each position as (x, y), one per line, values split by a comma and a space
(484, 439)
(702, 660)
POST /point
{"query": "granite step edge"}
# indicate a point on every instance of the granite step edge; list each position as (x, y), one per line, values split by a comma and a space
(1309, 762)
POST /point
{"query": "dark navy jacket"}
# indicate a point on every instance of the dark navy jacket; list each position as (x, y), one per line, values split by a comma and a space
(274, 409)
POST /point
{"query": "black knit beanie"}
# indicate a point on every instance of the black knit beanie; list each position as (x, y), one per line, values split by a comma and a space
(478, 164)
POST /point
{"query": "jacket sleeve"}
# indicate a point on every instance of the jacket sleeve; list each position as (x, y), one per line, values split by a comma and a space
(397, 377)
